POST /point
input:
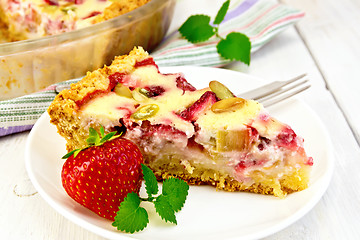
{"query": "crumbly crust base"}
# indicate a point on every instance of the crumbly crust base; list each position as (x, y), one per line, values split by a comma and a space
(288, 184)
(228, 184)
(295, 181)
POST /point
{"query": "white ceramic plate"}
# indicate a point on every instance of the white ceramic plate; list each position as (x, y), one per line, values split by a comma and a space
(207, 214)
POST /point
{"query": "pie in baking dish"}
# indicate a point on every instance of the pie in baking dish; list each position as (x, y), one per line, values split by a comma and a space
(29, 19)
(197, 135)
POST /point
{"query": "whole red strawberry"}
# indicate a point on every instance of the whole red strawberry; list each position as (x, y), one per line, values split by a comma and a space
(100, 176)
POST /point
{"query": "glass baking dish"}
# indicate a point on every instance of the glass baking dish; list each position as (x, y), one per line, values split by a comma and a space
(31, 65)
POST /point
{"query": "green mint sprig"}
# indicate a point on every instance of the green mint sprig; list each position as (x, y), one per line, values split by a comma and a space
(235, 46)
(131, 217)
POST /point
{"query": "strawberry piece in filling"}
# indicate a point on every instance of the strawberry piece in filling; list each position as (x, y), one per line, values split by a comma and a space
(183, 84)
(154, 91)
(263, 143)
(153, 139)
(92, 14)
(146, 62)
(116, 78)
(88, 97)
(198, 107)
(245, 164)
(287, 138)
(52, 2)
(151, 130)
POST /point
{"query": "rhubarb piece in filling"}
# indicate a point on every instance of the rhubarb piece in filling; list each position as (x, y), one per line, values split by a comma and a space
(196, 135)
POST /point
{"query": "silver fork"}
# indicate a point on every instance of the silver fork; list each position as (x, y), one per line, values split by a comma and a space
(277, 91)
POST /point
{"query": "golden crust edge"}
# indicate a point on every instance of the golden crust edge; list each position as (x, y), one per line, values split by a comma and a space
(118, 8)
(294, 182)
(61, 110)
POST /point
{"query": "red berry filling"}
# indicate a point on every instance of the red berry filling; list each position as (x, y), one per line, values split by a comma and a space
(92, 14)
(88, 97)
(150, 130)
(310, 161)
(154, 91)
(75, 1)
(287, 138)
(263, 143)
(116, 78)
(113, 80)
(243, 164)
(198, 107)
(183, 84)
(146, 62)
(52, 2)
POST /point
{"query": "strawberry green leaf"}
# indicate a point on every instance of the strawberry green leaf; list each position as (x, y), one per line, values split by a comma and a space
(102, 131)
(93, 132)
(77, 151)
(164, 209)
(222, 12)
(131, 217)
(66, 156)
(197, 28)
(236, 46)
(107, 137)
(93, 138)
(151, 184)
(73, 152)
(175, 191)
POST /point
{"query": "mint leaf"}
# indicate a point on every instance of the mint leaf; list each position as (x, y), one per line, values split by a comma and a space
(197, 28)
(236, 46)
(151, 184)
(222, 12)
(131, 217)
(164, 209)
(175, 190)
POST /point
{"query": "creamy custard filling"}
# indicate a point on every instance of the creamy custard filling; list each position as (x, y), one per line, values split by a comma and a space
(247, 144)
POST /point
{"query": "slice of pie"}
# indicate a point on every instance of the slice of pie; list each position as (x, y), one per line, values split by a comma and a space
(199, 136)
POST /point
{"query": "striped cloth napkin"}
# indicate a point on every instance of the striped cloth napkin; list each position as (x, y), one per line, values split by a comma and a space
(260, 20)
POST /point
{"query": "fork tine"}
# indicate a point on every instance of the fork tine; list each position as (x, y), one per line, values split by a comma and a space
(282, 90)
(271, 101)
(269, 88)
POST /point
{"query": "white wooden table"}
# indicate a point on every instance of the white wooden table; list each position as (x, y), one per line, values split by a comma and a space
(325, 44)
